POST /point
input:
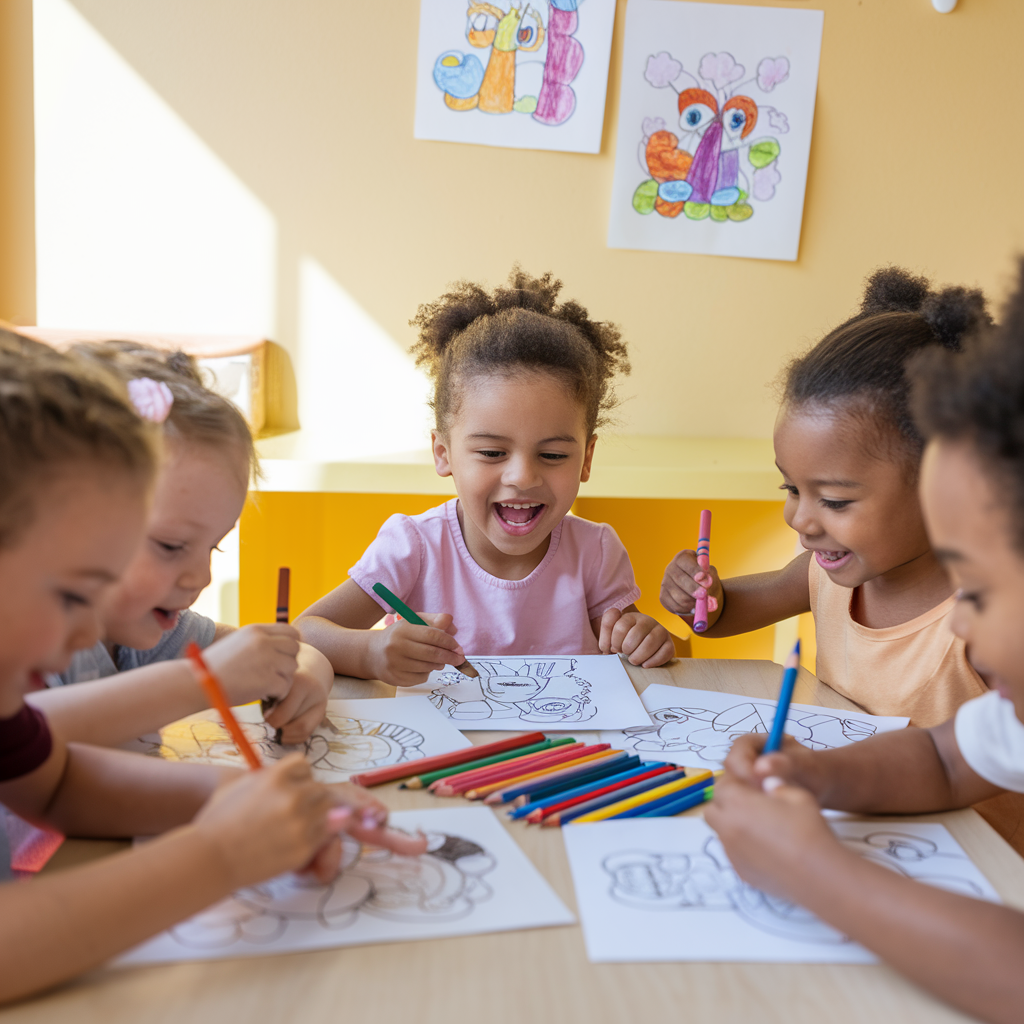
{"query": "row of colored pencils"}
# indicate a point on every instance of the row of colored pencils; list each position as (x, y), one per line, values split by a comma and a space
(554, 781)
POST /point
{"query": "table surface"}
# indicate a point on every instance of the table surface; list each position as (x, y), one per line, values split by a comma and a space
(531, 976)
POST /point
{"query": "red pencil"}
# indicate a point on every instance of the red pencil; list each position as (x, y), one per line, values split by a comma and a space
(526, 759)
(215, 695)
(545, 809)
(552, 772)
(518, 772)
(429, 764)
(559, 774)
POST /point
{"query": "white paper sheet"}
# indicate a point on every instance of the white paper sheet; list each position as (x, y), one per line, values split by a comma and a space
(662, 889)
(515, 92)
(556, 694)
(717, 100)
(473, 879)
(357, 735)
(696, 728)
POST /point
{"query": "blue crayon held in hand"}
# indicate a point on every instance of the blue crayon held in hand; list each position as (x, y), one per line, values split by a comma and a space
(785, 699)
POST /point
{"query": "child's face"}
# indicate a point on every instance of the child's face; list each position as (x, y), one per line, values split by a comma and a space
(55, 573)
(199, 497)
(858, 513)
(969, 524)
(514, 441)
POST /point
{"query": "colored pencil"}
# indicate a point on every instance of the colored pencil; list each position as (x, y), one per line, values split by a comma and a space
(215, 694)
(408, 769)
(479, 792)
(410, 616)
(611, 810)
(427, 779)
(590, 774)
(683, 803)
(785, 698)
(553, 788)
(284, 579)
(453, 784)
(598, 803)
(656, 804)
(593, 790)
(700, 612)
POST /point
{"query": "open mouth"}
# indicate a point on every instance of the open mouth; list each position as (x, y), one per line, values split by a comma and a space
(833, 560)
(518, 517)
(166, 619)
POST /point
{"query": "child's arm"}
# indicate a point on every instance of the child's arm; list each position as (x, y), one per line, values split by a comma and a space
(966, 951)
(740, 604)
(402, 655)
(641, 638)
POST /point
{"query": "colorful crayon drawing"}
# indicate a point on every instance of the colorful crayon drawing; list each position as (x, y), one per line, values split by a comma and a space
(526, 64)
(542, 691)
(719, 162)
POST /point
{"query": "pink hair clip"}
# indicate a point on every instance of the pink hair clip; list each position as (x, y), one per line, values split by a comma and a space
(152, 399)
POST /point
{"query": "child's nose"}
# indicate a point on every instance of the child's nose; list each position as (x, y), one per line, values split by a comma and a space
(196, 577)
(520, 473)
(804, 521)
(86, 632)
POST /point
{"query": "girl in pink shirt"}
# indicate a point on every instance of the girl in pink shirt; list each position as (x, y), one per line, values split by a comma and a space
(520, 385)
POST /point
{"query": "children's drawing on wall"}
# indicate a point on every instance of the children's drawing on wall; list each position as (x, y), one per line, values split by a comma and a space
(685, 893)
(530, 693)
(355, 736)
(715, 128)
(696, 728)
(473, 878)
(532, 76)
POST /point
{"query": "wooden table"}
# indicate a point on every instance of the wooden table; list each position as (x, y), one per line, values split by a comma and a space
(526, 977)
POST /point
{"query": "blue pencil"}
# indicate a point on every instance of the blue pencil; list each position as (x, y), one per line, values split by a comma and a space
(610, 798)
(678, 804)
(553, 798)
(575, 777)
(785, 698)
(663, 801)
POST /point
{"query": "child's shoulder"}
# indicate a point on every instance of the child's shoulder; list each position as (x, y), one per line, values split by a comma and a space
(426, 524)
(586, 532)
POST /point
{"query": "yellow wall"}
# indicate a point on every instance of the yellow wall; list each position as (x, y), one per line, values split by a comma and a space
(915, 159)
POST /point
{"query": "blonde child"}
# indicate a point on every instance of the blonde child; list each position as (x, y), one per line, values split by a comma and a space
(520, 386)
(971, 407)
(145, 682)
(849, 455)
(76, 465)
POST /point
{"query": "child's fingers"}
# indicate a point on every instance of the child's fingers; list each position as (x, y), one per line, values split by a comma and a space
(431, 637)
(326, 862)
(608, 621)
(398, 842)
(666, 652)
(641, 644)
(440, 620)
(627, 633)
(300, 728)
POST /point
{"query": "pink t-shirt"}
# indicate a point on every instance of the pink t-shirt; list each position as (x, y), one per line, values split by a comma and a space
(424, 560)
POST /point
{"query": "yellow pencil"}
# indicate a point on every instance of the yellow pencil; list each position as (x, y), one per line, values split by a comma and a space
(481, 791)
(642, 798)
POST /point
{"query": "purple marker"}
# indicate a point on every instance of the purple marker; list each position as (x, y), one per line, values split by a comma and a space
(700, 613)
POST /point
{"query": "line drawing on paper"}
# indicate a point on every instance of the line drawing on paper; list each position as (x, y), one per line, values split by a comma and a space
(339, 744)
(703, 879)
(545, 691)
(536, 86)
(709, 735)
(444, 884)
(711, 164)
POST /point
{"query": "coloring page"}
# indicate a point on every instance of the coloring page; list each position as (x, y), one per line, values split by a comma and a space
(472, 879)
(714, 133)
(663, 889)
(531, 77)
(355, 736)
(696, 728)
(556, 694)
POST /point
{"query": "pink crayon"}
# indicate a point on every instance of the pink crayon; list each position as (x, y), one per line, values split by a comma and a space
(700, 613)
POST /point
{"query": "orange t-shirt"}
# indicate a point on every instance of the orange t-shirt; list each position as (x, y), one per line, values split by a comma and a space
(918, 668)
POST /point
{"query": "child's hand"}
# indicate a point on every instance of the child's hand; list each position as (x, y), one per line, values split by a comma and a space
(642, 639)
(369, 818)
(301, 711)
(271, 821)
(255, 661)
(794, 763)
(684, 580)
(404, 654)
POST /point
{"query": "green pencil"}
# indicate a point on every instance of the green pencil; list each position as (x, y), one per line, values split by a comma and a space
(423, 781)
(410, 616)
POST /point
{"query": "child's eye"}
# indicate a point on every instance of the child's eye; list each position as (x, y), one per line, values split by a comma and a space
(971, 598)
(833, 504)
(170, 549)
(554, 456)
(72, 600)
(790, 489)
(489, 453)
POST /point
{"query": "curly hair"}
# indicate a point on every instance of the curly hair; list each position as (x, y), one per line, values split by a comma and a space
(977, 396)
(861, 366)
(58, 411)
(521, 326)
(198, 414)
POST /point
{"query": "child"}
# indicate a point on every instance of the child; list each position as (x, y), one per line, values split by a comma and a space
(209, 459)
(76, 465)
(849, 455)
(520, 384)
(969, 952)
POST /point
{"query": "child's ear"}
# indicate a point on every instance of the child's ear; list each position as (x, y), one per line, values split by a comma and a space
(440, 448)
(588, 459)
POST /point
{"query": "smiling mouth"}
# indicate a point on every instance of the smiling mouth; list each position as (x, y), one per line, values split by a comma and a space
(832, 559)
(166, 618)
(518, 517)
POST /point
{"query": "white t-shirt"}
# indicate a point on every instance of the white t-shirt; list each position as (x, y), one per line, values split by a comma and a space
(991, 738)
